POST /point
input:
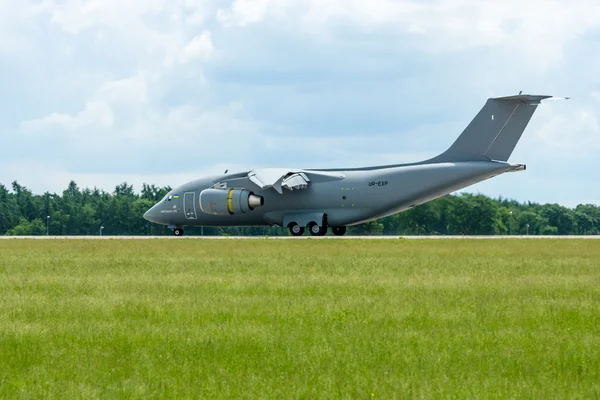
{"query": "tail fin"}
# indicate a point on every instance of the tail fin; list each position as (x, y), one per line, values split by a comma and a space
(495, 131)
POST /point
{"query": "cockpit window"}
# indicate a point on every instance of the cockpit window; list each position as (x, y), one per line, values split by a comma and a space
(170, 197)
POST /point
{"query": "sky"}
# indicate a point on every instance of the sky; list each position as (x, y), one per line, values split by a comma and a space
(165, 91)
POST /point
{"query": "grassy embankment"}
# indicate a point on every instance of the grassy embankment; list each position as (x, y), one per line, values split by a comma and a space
(301, 319)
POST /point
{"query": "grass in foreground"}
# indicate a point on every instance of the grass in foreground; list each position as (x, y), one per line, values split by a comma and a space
(300, 319)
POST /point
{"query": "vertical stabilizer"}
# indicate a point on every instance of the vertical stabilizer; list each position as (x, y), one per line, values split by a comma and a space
(495, 130)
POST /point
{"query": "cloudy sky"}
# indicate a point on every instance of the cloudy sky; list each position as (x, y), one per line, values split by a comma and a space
(162, 91)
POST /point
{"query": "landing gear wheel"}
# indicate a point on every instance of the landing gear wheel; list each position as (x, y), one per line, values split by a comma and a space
(296, 230)
(339, 230)
(316, 230)
(178, 231)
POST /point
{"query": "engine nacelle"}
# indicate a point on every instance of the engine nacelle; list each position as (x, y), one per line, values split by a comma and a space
(228, 201)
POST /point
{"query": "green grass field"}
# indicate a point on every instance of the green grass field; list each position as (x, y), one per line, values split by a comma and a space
(300, 319)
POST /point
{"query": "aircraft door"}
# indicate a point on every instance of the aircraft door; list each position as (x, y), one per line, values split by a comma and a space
(189, 205)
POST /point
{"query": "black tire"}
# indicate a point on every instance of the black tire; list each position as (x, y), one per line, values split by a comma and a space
(316, 230)
(296, 230)
(339, 230)
(178, 231)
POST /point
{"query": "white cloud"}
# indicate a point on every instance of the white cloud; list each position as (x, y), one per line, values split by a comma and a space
(18, 23)
(200, 47)
(570, 135)
(124, 94)
(158, 31)
(94, 114)
(131, 90)
(75, 16)
(123, 122)
(104, 90)
(246, 12)
(537, 29)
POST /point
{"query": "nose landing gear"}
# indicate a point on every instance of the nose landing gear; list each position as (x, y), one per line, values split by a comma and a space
(178, 231)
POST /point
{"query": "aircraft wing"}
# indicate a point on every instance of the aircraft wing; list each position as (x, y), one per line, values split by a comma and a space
(290, 179)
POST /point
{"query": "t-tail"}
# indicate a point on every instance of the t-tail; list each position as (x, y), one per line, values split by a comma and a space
(495, 131)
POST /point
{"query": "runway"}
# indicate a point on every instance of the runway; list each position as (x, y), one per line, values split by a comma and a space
(590, 237)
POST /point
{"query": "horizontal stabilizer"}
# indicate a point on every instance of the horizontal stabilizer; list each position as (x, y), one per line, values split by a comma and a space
(525, 98)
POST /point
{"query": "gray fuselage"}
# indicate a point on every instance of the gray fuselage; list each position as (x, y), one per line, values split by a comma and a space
(361, 195)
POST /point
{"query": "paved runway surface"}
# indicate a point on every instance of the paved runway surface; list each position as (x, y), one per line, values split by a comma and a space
(290, 237)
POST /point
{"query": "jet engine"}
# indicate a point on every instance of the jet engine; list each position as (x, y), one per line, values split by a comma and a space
(229, 201)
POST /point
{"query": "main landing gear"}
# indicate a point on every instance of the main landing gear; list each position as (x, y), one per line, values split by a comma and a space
(315, 230)
(178, 231)
(296, 230)
(338, 230)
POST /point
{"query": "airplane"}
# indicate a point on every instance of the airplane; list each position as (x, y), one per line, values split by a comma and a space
(318, 199)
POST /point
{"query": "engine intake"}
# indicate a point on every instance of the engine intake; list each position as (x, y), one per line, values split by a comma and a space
(229, 201)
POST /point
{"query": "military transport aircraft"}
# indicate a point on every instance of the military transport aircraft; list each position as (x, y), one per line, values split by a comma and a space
(320, 198)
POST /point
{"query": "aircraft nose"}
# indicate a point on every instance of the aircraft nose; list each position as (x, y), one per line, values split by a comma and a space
(153, 214)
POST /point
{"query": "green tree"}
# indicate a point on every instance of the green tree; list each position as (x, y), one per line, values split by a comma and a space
(421, 220)
(587, 217)
(154, 193)
(9, 211)
(530, 222)
(560, 217)
(472, 215)
(371, 228)
(28, 228)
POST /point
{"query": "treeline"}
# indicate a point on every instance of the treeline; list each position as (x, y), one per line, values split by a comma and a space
(93, 212)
